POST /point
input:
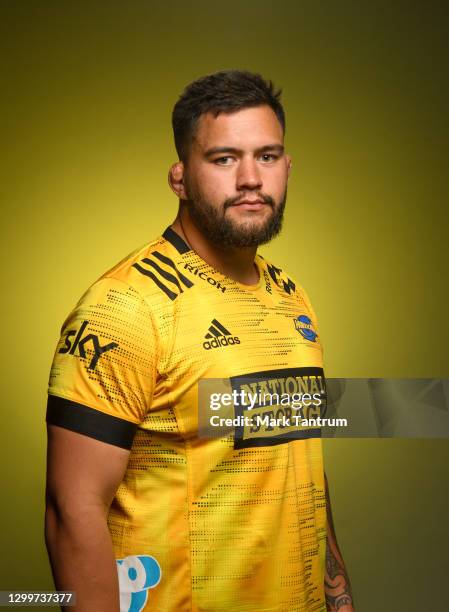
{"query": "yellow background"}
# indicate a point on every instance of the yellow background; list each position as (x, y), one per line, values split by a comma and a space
(87, 93)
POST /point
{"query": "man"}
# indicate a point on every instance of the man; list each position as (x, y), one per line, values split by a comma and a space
(141, 508)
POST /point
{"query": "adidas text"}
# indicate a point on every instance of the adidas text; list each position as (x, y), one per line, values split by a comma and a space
(221, 341)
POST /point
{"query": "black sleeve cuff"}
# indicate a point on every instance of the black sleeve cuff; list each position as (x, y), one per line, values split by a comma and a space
(90, 422)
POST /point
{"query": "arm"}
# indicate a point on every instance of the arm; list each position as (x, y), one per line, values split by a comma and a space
(336, 581)
(82, 477)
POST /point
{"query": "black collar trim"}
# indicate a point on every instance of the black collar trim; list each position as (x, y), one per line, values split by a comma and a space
(176, 240)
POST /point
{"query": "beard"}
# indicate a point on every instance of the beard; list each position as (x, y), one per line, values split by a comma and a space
(225, 232)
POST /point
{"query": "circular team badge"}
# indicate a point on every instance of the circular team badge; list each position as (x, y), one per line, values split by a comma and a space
(304, 326)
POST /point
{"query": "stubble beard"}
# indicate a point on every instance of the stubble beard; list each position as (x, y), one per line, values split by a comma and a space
(225, 232)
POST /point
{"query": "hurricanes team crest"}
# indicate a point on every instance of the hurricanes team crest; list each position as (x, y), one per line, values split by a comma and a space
(304, 326)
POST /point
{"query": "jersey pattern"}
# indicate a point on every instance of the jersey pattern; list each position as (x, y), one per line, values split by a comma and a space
(207, 525)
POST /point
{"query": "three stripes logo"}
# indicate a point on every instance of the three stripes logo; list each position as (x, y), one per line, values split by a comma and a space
(163, 271)
(218, 336)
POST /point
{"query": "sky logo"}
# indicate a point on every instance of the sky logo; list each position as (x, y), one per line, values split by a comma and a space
(137, 574)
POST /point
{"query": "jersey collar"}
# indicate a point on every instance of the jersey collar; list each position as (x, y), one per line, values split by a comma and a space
(175, 239)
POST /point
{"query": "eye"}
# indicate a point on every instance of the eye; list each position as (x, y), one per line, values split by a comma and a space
(268, 157)
(223, 161)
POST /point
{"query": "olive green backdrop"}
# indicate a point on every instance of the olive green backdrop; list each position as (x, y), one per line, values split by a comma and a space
(87, 91)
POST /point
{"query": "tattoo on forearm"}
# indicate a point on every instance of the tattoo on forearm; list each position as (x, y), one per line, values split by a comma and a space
(336, 581)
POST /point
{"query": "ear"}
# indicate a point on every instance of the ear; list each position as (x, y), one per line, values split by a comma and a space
(176, 180)
(289, 164)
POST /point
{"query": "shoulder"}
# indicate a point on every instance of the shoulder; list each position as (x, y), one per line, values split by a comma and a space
(128, 298)
(292, 297)
(135, 269)
(140, 276)
(279, 277)
(287, 286)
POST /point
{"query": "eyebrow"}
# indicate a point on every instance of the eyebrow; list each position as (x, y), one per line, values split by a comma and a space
(271, 147)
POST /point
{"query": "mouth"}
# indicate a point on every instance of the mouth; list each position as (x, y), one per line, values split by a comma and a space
(251, 205)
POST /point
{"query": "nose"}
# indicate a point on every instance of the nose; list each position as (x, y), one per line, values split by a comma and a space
(248, 174)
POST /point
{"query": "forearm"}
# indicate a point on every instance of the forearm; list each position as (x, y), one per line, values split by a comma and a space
(337, 586)
(82, 558)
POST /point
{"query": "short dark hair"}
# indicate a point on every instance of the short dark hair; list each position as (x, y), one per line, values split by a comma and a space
(226, 91)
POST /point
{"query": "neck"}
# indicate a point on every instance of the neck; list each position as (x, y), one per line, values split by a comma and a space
(234, 262)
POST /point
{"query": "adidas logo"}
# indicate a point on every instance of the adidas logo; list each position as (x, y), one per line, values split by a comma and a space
(219, 335)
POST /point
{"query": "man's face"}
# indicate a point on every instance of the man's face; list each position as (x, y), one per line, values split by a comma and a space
(236, 177)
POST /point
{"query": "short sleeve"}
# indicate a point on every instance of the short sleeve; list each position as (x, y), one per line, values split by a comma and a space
(304, 298)
(105, 365)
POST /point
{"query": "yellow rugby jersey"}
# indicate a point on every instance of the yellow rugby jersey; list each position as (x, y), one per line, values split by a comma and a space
(235, 522)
